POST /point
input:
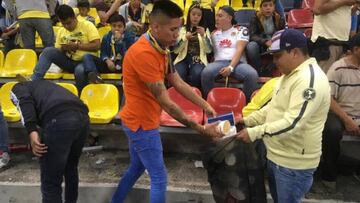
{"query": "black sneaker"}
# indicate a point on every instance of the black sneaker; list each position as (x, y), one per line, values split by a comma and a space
(22, 78)
(95, 78)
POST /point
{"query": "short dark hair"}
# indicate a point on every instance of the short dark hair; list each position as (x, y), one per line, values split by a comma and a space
(64, 12)
(166, 8)
(116, 18)
(83, 4)
(264, 1)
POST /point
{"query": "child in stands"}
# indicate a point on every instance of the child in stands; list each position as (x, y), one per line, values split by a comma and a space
(113, 47)
(84, 9)
(192, 48)
(263, 25)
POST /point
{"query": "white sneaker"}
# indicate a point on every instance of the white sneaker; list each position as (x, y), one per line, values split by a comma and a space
(4, 160)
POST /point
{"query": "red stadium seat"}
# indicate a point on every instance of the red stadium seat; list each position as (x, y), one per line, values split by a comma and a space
(225, 100)
(300, 18)
(308, 4)
(191, 110)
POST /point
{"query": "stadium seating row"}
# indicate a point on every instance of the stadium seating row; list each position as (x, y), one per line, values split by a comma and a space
(101, 99)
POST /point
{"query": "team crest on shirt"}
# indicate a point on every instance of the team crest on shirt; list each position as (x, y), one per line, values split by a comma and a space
(225, 43)
(245, 32)
(309, 94)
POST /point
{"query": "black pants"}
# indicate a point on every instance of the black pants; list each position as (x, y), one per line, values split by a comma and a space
(65, 136)
(332, 135)
(209, 18)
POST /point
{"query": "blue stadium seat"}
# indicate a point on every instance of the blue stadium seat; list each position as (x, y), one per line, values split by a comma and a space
(288, 4)
(244, 16)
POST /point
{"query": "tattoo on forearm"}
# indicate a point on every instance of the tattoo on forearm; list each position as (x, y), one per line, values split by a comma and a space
(156, 88)
(179, 115)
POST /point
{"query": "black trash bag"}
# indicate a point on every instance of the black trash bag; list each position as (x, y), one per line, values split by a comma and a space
(235, 172)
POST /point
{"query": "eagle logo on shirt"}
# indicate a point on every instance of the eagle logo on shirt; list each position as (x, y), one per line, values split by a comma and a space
(309, 94)
(225, 43)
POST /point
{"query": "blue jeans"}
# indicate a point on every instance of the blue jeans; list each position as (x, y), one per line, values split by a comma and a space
(4, 136)
(146, 152)
(253, 50)
(243, 72)
(56, 56)
(65, 136)
(43, 26)
(95, 64)
(190, 72)
(288, 185)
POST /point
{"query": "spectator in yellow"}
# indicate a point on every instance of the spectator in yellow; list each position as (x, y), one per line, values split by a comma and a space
(73, 41)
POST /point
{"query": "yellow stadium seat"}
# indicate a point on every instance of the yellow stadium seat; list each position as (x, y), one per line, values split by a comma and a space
(1, 59)
(103, 31)
(68, 76)
(111, 76)
(221, 3)
(10, 111)
(38, 41)
(180, 3)
(19, 61)
(53, 76)
(72, 88)
(102, 101)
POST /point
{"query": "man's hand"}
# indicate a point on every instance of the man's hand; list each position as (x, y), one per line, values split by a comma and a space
(243, 135)
(110, 64)
(38, 148)
(210, 111)
(225, 72)
(352, 127)
(71, 46)
(212, 131)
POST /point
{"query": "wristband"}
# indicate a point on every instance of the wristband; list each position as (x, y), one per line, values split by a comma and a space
(231, 68)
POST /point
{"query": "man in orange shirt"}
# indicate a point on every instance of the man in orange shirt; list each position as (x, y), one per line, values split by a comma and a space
(146, 65)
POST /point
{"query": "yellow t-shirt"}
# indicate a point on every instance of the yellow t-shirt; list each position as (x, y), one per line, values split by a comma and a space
(34, 14)
(84, 33)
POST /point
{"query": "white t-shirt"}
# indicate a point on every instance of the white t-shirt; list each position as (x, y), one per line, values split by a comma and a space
(225, 42)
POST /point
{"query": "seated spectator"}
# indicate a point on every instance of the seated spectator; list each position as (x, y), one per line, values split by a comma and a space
(131, 11)
(84, 8)
(113, 47)
(344, 78)
(263, 25)
(193, 46)
(229, 47)
(146, 13)
(208, 12)
(73, 41)
(4, 148)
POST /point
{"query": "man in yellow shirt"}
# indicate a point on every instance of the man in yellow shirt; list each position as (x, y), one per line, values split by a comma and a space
(291, 124)
(73, 41)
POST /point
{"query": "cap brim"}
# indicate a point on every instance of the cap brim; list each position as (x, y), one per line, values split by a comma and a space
(271, 52)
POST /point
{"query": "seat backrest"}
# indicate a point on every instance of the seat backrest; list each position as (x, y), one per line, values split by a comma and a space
(103, 31)
(184, 103)
(20, 59)
(101, 97)
(225, 100)
(1, 59)
(244, 16)
(300, 18)
(5, 100)
(287, 4)
(72, 88)
(245, 4)
(308, 32)
(308, 4)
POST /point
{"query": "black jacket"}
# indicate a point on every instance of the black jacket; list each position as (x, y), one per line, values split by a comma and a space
(257, 28)
(40, 101)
